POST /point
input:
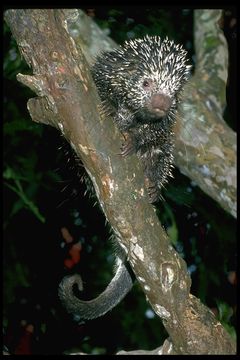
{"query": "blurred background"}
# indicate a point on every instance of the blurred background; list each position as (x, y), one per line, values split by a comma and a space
(53, 228)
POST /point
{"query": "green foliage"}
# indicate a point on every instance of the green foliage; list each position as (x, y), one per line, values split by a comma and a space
(22, 138)
(24, 199)
(225, 312)
(16, 276)
(125, 22)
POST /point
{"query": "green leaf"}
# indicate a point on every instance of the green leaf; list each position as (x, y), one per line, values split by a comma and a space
(17, 206)
(225, 311)
(173, 233)
(17, 188)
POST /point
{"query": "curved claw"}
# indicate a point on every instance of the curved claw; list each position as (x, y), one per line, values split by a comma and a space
(127, 149)
(153, 193)
(153, 190)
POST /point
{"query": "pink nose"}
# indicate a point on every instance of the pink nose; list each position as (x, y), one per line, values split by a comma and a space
(161, 102)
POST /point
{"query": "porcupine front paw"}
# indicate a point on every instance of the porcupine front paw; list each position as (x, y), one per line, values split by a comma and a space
(127, 147)
(153, 190)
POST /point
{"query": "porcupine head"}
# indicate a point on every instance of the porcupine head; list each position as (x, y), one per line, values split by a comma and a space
(141, 84)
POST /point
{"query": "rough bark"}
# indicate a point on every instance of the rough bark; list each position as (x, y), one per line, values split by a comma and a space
(206, 145)
(67, 99)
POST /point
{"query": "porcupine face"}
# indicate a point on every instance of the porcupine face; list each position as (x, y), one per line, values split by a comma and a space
(146, 75)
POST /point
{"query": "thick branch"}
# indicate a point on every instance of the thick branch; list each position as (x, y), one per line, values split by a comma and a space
(205, 145)
(68, 101)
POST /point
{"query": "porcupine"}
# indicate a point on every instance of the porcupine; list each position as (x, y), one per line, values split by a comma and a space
(140, 83)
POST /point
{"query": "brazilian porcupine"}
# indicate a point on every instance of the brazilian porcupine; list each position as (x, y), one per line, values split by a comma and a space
(140, 83)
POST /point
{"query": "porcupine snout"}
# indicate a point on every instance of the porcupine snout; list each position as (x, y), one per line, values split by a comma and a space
(160, 104)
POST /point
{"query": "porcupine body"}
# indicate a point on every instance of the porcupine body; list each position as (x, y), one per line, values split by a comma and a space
(140, 84)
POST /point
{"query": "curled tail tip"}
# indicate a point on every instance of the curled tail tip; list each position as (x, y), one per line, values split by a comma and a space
(82, 310)
(70, 280)
(65, 289)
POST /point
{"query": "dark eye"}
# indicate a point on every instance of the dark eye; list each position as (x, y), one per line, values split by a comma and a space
(146, 83)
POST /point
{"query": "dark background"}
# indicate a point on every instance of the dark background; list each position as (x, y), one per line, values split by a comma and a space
(48, 217)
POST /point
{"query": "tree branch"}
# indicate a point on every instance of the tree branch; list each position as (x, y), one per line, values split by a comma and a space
(67, 99)
(205, 145)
